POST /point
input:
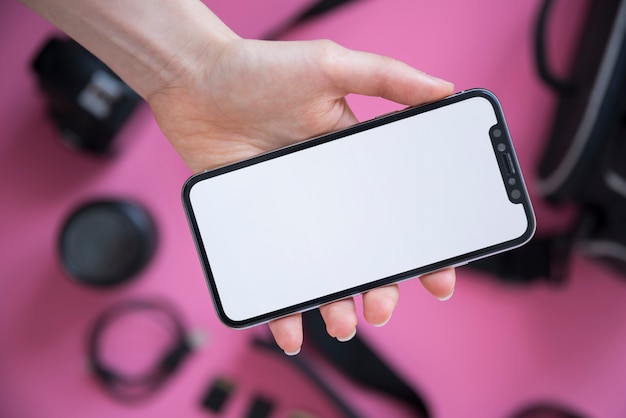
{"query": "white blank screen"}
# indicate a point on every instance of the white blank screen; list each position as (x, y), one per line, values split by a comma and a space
(351, 211)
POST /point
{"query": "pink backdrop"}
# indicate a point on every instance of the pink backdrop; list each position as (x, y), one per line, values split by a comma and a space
(488, 352)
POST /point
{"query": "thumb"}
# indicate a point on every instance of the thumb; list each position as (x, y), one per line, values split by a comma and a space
(376, 75)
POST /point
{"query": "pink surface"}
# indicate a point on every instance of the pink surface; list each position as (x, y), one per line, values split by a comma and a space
(488, 352)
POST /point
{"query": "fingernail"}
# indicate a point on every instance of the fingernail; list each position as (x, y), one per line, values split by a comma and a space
(382, 324)
(293, 353)
(440, 80)
(348, 338)
(446, 82)
(444, 298)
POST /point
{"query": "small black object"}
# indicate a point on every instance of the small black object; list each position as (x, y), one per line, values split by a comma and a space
(107, 242)
(88, 102)
(218, 394)
(131, 388)
(261, 407)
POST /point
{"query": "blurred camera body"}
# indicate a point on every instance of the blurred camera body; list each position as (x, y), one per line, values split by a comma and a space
(88, 102)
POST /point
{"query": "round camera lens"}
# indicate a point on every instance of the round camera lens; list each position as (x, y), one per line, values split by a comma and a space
(512, 181)
(497, 133)
(501, 147)
(516, 194)
(106, 242)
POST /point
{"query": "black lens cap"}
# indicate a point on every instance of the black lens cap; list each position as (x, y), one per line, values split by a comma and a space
(107, 242)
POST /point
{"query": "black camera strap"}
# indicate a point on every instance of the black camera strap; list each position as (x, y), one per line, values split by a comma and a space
(359, 362)
(354, 359)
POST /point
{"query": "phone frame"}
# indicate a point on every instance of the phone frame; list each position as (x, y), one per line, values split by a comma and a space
(457, 261)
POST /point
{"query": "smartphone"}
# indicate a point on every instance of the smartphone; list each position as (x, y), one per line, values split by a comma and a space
(383, 201)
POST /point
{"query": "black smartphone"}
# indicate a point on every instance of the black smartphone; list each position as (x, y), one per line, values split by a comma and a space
(383, 201)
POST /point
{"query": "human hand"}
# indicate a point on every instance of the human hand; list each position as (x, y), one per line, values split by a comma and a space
(255, 96)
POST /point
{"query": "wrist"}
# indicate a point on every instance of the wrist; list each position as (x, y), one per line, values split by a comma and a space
(188, 40)
(150, 45)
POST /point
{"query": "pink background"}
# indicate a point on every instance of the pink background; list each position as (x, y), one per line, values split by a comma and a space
(488, 352)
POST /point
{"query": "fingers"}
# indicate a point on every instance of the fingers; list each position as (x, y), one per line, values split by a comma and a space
(287, 332)
(340, 318)
(379, 303)
(376, 75)
(440, 283)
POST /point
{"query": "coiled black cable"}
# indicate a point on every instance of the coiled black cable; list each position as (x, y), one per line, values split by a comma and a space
(132, 388)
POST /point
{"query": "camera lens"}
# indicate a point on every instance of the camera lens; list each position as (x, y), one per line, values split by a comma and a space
(107, 242)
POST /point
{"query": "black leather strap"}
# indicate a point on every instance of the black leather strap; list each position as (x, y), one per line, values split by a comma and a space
(357, 361)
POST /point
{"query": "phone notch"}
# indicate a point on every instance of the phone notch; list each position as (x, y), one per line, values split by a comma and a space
(504, 153)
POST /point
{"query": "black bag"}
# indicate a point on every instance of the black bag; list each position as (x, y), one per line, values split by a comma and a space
(584, 161)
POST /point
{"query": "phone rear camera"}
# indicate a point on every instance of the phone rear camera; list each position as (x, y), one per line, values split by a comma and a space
(497, 133)
(516, 194)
